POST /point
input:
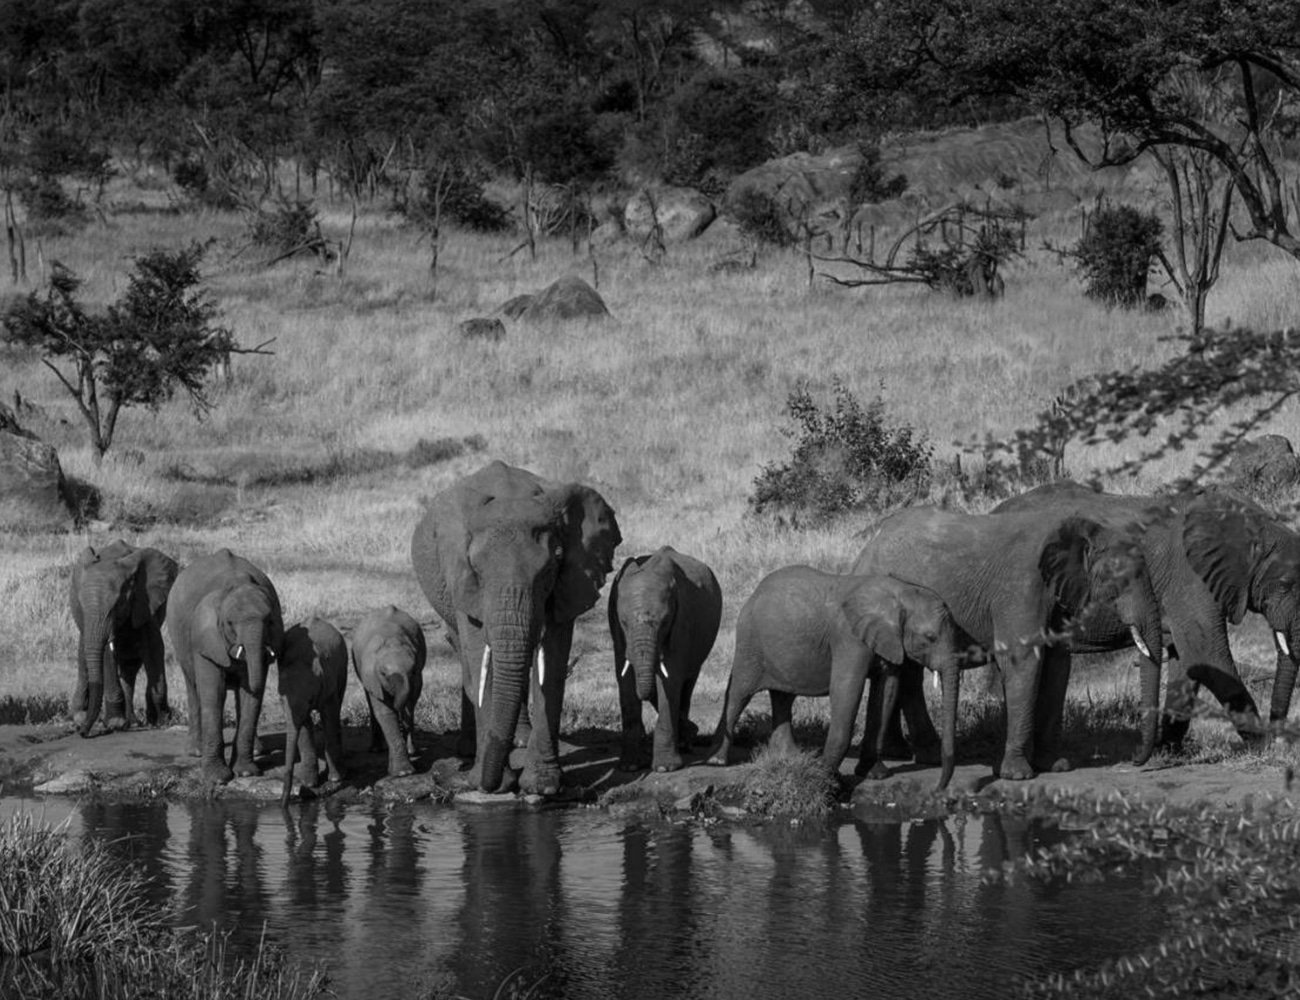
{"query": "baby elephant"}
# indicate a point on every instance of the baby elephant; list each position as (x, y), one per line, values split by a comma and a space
(805, 632)
(664, 611)
(388, 653)
(313, 676)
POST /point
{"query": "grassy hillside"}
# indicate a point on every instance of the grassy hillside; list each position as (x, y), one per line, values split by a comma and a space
(670, 409)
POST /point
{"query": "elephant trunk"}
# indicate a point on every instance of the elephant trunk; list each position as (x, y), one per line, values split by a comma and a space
(512, 639)
(252, 636)
(643, 650)
(398, 686)
(1288, 649)
(1149, 668)
(94, 641)
(949, 670)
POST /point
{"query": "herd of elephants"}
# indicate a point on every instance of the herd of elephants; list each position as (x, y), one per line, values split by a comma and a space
(509, 560)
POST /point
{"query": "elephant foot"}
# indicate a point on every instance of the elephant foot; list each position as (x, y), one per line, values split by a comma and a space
(541, 780)
(663, 763)
(79, 717)
(1141, 755)
(337, 774)
(718, 756)
(509, 780)
(116, 723)
(1053, 765)
(1015, 769)
(193, 751)
(217, 774)
(246, 769)
(929, 754)
(400, 768)
(876, 772)
(308, 778)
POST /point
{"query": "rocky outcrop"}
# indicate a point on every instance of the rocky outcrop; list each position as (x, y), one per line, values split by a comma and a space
(1264, 465)
(682, 213)
(805, 189)
(32, 488)
(481, 328)
(568, 298)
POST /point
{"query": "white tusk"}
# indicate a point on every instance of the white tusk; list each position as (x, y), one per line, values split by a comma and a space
(270, 654)
(1282, 643)
(663, 669)
(541, 666)
(239, 651)
(938, 685)
(1137, 641)
(482, 674)
(112, 649)
(627, 665)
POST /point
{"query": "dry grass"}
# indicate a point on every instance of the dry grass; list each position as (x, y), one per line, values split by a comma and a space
(670, 409)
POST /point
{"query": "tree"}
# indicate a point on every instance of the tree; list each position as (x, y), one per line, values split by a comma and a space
(159, 336)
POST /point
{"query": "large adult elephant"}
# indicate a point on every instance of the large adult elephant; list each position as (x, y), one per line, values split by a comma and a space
(1212, 556)
(509, 560)
(664, 613)
(119, 602)
(1013, 583)
(811, 633)
(226, 627)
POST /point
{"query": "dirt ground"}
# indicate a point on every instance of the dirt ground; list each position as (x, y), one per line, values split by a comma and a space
(53, 759)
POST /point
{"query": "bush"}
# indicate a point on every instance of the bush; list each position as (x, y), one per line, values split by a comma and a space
(760, 218)
(718, 125)
(464, 202)
(797, 788)
(291, 227)
(1116, 254)
(846, 458)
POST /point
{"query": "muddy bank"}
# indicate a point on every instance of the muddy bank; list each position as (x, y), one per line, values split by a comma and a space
(149, 763)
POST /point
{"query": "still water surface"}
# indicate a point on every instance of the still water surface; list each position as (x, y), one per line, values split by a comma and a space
(392, 897)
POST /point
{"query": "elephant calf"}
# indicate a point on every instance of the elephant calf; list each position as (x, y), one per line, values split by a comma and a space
(806, 632)
(388, 653)
(664, 612)
(313, 676)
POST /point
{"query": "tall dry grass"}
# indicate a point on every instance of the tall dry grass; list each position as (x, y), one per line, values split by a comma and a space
(670, 409)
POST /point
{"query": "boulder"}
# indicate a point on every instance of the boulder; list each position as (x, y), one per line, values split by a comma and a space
(683, 213)
(514, 308)
(481, 327)
(568, 298)
(803, 187)
(32, 489)
(1264, 463)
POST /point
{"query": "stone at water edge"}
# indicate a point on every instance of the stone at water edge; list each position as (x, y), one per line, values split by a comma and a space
(68, 783)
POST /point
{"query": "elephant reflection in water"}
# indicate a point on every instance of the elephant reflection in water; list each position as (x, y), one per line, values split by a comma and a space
(661, 892)
(224, 859)
(315, 878)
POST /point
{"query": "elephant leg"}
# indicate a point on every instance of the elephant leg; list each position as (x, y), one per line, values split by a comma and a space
(115, 707)
(739, 693)
(377, 742)
(847, 682)
(542, 774)
(80, 699)
(399, 762)
(407, 720)
(308, 770)
(927, 747)
(248, 706)
(1020, 676)
(666, 755)
(894, 744)
(127, 671)
(331, 720)
(1226, 686)
(688, 733)
(783, 722)
(882, 705)
(1180, 702)
(1049, 711)
(212, 702)
(629, 706)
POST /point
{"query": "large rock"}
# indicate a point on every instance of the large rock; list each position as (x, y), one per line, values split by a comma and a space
(568, 298)
(32, 489)
(805, 189)
(682, 213)
(1265, 463)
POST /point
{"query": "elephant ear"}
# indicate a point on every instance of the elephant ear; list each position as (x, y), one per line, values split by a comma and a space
(1065, 562)
(875, 618)
(1221, 542)
(589, 534)
(155, 574)
(463, 514)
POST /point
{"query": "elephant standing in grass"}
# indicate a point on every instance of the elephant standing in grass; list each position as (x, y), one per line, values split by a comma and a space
(119, 602)
(1212, 556)
(509, 560)
(388, 654)
(1013, 584)
(313, 675)
(224, 619)
(664, 612)
(806, 632)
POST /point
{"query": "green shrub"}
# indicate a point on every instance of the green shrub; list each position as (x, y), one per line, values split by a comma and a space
(760, 218)
(291, 227)
(847, 457)
(1116, 254)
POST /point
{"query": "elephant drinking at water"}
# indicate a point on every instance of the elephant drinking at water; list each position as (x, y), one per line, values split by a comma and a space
(509, 560)
(313, 676)
(664, 612)
(388, 654)
(119, 602)
(224, 619)
(1014, 583)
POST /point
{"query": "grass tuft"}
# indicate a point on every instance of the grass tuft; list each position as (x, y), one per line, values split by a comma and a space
(796, 787)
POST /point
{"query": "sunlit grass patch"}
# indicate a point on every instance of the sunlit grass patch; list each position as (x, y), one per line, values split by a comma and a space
(790, 787)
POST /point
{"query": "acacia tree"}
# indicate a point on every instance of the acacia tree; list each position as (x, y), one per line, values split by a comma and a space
(159, 336)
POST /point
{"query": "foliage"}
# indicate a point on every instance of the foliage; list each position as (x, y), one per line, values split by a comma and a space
(291, 227)
(845, 458)
(718, 126)
(464, 201)
(1116, 254)
(790, 787)
(1228, 885)
(760, 218)
(870, 183)
(159, 336)
(964, 269)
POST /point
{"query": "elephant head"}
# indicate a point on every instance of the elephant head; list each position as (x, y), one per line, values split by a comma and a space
(643, 604)
(519, 555)
(117, 589)
(241, 622)
(906, 623)
(1250, 562)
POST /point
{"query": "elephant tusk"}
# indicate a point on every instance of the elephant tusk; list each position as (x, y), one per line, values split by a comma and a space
(1282, 643)
(482, 673)
(112, 648)
(663, 669)
(270, 654)
(1137, 641)
(627, 665)
(541, 666)
(938, 684)
(238, 651)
